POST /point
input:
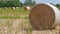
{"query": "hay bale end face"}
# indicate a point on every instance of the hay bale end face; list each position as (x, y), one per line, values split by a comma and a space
(43, 16)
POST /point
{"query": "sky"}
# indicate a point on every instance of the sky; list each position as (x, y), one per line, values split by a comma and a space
(45, 1)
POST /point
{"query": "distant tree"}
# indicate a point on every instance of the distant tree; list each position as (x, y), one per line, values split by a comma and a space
(58, 5)
(52, 4)
(11, 3)
(28, 2)
(33, 3)
(8, 3)
(21, 4)
(2, 4)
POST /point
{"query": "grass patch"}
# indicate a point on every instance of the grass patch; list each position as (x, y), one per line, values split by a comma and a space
(11, 17)
(10, 13)
(29, 31)
(58, 7)
(26, 17)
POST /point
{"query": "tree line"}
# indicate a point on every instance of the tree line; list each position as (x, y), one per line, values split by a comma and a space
(10, 3)
(17, 3)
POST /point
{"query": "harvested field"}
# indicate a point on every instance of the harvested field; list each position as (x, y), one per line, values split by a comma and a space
(19, 24)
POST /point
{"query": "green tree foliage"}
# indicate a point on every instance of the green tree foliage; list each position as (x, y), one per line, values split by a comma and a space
(11, 3)
(2, 4)
(58, 5)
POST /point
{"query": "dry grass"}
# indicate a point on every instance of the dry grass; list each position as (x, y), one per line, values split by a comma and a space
(21, 26)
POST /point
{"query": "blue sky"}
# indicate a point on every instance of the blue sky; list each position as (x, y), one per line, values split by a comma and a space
(45, 1)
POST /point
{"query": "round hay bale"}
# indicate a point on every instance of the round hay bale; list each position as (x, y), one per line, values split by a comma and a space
(27, 8)
(5, 7)
(13, 8)
(43, 16)
(24, 8)
(17, 7)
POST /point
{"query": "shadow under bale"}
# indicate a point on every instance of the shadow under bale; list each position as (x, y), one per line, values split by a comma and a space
(42, 16)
